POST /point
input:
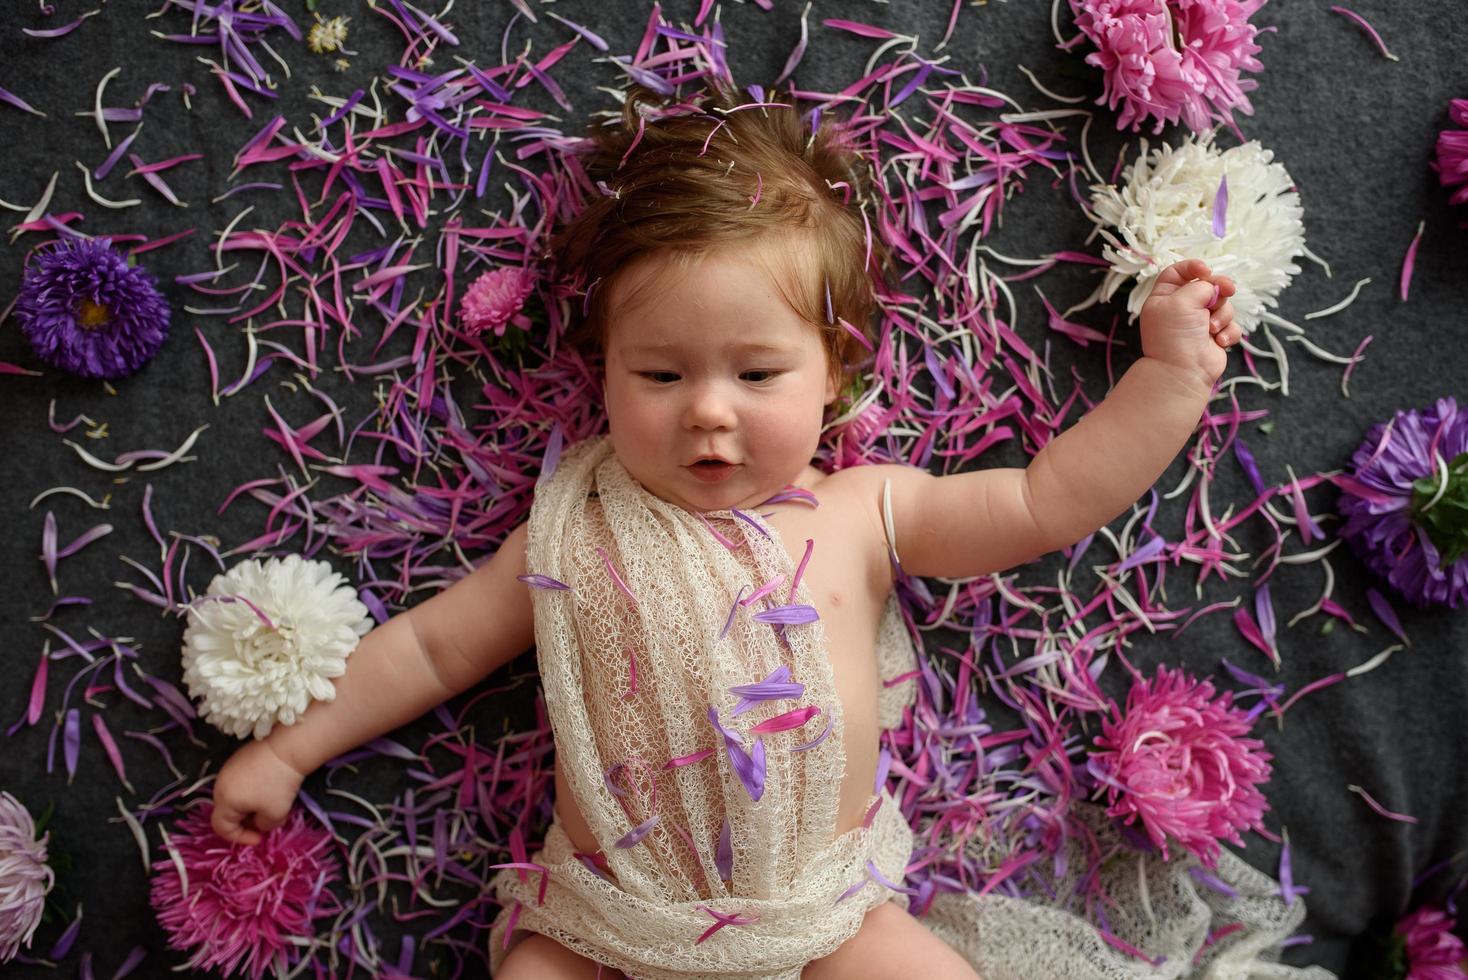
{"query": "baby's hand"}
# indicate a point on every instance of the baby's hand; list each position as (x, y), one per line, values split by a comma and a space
(1188, 321)
(253, 793)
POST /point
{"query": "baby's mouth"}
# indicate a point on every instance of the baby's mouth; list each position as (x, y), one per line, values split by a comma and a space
(712, 470)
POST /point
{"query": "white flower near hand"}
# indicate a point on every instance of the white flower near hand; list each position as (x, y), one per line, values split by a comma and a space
(1167, 208)
(25, 877)
(267, 639)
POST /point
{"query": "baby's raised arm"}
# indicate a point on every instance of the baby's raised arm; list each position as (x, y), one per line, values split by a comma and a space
(985, 521)
(406, 666)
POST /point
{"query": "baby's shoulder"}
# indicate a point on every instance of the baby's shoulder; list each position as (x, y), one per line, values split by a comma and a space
(850, 511)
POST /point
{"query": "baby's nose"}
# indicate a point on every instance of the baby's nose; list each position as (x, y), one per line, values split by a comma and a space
(709, 406)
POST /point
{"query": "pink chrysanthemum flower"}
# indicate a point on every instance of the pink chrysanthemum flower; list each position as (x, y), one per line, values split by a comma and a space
(25, 877)
(1179, 760)
(1172, 59)
(1452, 152)
(495, 299)
(237, 907)
(1432, 951)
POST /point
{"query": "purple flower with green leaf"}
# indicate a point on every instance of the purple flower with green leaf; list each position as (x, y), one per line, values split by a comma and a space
(1405, 502)
(86, 311)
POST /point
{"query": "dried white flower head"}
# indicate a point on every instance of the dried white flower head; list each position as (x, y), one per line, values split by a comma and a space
(267, 639)
(1164, 211)
(25, 877)
(327, 35)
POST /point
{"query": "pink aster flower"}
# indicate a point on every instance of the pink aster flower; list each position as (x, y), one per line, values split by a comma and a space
(495, 299)
(237, 907)
(1452, 152)
(1172, 59)
(1179, 761)
(1432, 951)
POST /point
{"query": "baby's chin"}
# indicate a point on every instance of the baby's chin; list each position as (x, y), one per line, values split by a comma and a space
(740, 491)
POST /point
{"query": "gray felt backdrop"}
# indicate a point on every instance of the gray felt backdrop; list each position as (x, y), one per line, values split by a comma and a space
(1355, 130)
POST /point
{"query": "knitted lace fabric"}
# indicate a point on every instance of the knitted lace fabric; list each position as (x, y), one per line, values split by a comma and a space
(792, 879)
(1225, 925)
(789, 868)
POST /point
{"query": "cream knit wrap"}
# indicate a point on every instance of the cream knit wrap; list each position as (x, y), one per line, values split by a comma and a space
(798, 891)
(788, 868)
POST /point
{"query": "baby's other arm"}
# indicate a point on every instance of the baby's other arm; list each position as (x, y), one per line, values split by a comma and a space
(988, 520)
(408, 665)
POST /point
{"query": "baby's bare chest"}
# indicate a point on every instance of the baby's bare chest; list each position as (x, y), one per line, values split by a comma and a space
(849, 589)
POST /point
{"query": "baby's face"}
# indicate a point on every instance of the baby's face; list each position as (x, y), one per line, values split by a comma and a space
(712, 362)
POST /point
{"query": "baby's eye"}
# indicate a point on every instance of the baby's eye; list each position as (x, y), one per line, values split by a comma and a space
(659, 377)
(759, 377)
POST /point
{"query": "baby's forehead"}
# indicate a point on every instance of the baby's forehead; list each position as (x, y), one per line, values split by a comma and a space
(779, 260)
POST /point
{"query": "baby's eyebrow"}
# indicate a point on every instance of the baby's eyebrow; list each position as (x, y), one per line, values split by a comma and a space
(740, 348)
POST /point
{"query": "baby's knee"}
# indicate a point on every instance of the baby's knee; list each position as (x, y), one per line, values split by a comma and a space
(891, 944)
(538, 957)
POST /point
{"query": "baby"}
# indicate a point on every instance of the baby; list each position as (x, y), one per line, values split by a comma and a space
(713, 615)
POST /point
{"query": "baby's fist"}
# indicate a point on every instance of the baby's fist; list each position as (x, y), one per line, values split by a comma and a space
(253, 794)
(1188, 322)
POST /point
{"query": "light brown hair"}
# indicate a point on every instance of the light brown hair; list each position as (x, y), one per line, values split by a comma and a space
(684, 179)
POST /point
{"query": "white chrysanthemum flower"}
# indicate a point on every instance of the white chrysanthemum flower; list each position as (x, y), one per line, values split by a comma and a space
(25, 877)
(1163, 212)
(267, 639)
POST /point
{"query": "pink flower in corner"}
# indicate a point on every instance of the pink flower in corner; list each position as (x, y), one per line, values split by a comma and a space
(1179, 761)
(1452, 152)
(1172, 59)
(1433, 952)
(495, 299)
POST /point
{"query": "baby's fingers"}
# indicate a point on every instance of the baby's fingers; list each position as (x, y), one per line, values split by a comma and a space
(1221, 317)
(1179, 274)
(229, 822)
(1199, 293)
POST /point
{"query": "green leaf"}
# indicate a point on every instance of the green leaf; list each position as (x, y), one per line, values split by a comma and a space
(45, 818)
(1442, 511)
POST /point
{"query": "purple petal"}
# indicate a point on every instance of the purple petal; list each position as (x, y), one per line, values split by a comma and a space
(729, 623)
(1386, 614)
(749, 768)
(543, 582)
(724, 854)
(636, 834)
(775, 687)
(792, 615)
(1146, 552)
(1245, 457)
(71, 741)
(1264, 610)
(1220, 208)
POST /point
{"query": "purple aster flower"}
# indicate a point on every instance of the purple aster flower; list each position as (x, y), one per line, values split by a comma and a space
(85, 310)
(1452, 152)
(1405, 501)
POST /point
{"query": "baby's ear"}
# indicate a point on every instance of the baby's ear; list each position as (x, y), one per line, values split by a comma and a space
(830, 388)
